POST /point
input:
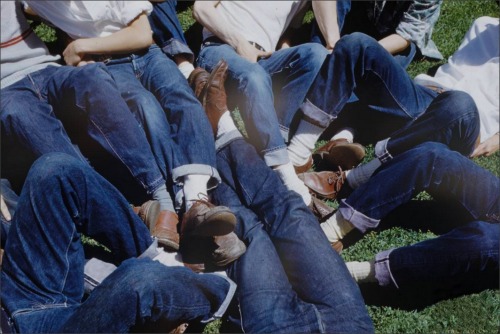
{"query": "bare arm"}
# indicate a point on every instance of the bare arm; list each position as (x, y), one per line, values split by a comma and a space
(136, 36)
(326, 16)
(394, 43)
(488, 147)
(205, 12)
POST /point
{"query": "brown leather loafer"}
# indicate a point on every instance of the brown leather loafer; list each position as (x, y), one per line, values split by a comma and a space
(320, 209)
(341, 153)
(305, 167)
(229, 248)
(338, 246)
(207, 220)
(213, 96)
(161, 223)
(198, 80)
(324, 184)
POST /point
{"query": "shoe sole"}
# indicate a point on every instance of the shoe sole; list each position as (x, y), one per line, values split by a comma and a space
(346, 156)
(220, 221)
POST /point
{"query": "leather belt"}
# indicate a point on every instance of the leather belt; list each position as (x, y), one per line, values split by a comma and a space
(216, 40)
(108, 57)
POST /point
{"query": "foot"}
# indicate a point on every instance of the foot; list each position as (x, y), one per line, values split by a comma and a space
(340, 152)
(320, 209)
(228, 249)
(197, 80)
(325, 185)
(161, 223)
(208, 220)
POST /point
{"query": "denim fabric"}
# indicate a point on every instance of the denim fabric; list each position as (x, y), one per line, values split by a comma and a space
(288, 73)
(86, 101)
(359, 65)
(464, 260)
(452, 119)
(192, 150)
(290, 279)
(446, 175)
(167, 30)
(42, 271)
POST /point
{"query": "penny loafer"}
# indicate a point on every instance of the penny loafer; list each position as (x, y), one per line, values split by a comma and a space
(323, 184)
(340, 152)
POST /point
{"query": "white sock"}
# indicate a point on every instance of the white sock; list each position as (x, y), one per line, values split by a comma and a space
(291, 181)
(161, 195)
(362, 174)
(226, 124)
(346, 133)
(362, 271)
(173, 259)
(303, 142)
(195, 187)
(336, 227)
(186, 68)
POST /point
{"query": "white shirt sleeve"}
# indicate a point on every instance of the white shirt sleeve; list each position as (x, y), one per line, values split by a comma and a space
(127, 11)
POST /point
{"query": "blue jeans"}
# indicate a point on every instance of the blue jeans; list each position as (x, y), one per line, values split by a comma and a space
(359, 65)
(167, 30)
(42, 270)
(86, 101)
(267, 117)
(446, 175)
(175, 122)
(289, 279)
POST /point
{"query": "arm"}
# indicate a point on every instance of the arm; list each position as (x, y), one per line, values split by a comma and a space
(326, 16)
(205, 12)
(488, 147)
(136, 36)
(394, 43)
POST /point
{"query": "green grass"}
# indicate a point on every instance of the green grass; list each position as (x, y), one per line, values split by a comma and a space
(477, 313)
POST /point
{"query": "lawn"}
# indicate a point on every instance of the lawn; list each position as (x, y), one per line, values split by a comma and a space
(411, 312)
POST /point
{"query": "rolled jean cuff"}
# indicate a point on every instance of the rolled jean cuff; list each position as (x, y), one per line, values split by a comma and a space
(151, 187)
(356, 218)
(178, 173)
(229, 296)
(175, 47)
(151, 252)
(383, 269)
(226, 139)
(285, 133)
(381, 151)
(316, 115)
(276, 156)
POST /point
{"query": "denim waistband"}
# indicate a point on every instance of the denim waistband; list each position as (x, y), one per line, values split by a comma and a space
(216, 40)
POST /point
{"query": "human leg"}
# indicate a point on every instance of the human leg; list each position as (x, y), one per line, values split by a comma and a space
(432, 167)
(293, 230)
(62, 198)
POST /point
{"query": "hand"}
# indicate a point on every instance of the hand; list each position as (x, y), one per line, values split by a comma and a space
(251, 53)
(4, 209)
(73, 54)
(488, 147)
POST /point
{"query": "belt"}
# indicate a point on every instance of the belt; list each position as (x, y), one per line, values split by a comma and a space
(216, 40)
(105, 58)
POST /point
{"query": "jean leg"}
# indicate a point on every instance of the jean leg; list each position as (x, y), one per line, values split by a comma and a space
(294, 230)
(451, 119)
(190, 128)
(432, 167)
(254, 85)
(167, 30)
(266, 299)
(91, 93)
(44, 258)
(142, 291)
(360, 65)
(464, 260)
(293, 71)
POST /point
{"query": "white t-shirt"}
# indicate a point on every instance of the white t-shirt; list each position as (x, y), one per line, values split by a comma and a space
(474, 69)
(262, 22)
(85, 19)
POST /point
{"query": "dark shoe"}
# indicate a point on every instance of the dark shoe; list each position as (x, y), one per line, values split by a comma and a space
(229, 249)
(324, 184)
(198, 80)
(341, 153)
(213, 95)
(305, 167)
(161, 223)
(207, 220)
(320, 209)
